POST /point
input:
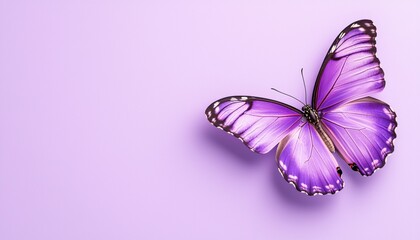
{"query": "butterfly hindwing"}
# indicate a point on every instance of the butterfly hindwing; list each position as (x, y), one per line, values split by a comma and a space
(304, 160)
(363, 131)
(259, 123)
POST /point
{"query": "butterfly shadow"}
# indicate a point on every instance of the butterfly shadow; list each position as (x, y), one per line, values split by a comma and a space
(230, 146)
(363, 184)
(288, 194)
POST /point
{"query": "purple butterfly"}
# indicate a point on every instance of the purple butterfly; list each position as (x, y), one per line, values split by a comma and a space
(343, 118)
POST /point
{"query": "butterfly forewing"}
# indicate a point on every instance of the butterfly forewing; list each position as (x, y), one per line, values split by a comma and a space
(350, 70)
(259, 123)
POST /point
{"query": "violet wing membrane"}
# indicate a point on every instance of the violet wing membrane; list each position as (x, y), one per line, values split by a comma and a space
(258, 122)
(343, 118)
(361, 127)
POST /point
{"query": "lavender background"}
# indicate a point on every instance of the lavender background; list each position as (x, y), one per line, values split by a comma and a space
(103, 133)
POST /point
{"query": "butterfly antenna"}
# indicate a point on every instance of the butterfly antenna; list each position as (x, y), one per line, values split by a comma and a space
(287, 95)
(304, 85)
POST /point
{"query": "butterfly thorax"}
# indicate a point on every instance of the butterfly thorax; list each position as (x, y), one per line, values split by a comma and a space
(310, 114)
(313, 118)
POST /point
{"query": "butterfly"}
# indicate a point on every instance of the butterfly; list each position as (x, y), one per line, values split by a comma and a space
(342, 118)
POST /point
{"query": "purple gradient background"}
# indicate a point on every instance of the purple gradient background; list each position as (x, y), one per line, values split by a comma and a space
(103, 133)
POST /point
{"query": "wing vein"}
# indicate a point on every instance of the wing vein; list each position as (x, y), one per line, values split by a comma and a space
(329, 91)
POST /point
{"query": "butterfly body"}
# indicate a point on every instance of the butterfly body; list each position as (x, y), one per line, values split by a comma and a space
(313, 118)
(342, 118)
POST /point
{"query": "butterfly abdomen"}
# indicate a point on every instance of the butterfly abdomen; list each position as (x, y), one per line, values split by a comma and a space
(324, 137)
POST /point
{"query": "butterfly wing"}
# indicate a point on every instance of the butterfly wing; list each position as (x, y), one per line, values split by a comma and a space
(305, 161)
(350, 70)
(363, 131)
(302, 157)
(362, 128)
(259, 123)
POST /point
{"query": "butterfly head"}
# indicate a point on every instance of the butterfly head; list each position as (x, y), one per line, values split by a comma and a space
(310, 114)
